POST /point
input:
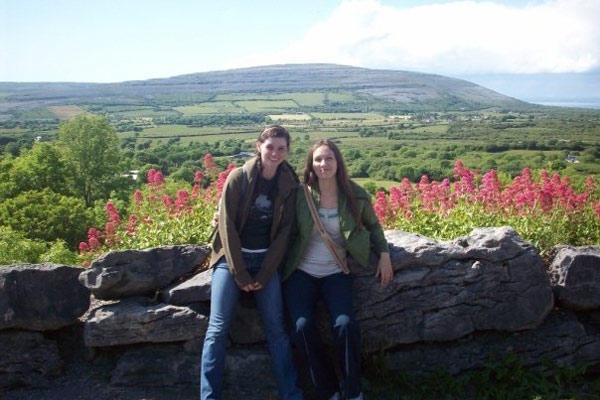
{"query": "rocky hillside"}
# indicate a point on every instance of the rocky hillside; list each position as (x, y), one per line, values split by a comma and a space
(398, 87)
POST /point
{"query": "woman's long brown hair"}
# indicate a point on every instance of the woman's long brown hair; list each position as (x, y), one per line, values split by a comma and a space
(341, 175)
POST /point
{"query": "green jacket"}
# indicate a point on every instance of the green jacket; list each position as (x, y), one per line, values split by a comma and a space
(233, 212)
(359, 241)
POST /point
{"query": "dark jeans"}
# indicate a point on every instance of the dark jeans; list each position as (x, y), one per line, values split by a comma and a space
(301, 292)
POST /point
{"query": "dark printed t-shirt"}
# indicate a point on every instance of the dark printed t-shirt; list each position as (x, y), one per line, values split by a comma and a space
(257, 230)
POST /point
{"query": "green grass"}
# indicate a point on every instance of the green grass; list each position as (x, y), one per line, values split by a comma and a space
(308, 98)
(12, 131)
(37, 113)
(254, 106)
(340, 97)
(183, 98)
(213, 107)
(145, 113)
(507, 379)
(352, 116)
(208, 134)
(301, 98)
(378, 183)
(124, 107)
(289, 117)
(179, 130)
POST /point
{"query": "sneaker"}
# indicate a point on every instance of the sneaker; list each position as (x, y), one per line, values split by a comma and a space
(359, 397)
(336, 396)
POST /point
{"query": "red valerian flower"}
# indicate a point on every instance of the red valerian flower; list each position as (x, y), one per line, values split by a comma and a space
(83, 247)
(183, 199)
(158, 179)
(198, 177)
(150, 176)
(380, 206)
(94, 243)
(93, 233)
(590, 184)
(131, 224)
(109, 228)
(167, 201)
(138, 197)
(209, 164)
(113, 214)
(223, 177)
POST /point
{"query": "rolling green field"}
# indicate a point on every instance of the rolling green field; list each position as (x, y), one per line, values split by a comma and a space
(381, 146)
(340, 97)
(213, 107)
(352, 116)
(253, 106)
(300, 98)
(289, 117)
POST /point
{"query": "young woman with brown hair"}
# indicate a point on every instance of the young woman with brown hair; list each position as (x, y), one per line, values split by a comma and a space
(315, 267)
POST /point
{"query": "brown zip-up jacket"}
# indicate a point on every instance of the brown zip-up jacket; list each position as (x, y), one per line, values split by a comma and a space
(233, 212)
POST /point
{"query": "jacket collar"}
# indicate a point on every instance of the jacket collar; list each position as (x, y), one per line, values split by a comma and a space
(347, 223)
(286, 176)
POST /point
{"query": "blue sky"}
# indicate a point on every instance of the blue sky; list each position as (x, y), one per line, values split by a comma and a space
(111, 41)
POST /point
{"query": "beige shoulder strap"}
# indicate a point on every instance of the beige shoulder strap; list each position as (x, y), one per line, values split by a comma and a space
(331, 245)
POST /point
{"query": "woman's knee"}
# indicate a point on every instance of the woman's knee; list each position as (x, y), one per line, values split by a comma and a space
(302, 324)
(342, 321)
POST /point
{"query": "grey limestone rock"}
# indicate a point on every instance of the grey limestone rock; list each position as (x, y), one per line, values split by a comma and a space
(247, 373)
(127, 273)
(140, 320)
(488, 280)
(193, 290)
(575, 277)
(41, 296)
(157, 366)
(246, 327)
(27, 359)
(561, 338)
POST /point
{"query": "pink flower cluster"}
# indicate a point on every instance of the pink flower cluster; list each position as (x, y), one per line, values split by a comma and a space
(223, 177)
(155, 178)
(93, 241)
(209, 164)
(150, 207)
(524, 195)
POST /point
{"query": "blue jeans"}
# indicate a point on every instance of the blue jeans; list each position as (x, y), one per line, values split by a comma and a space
(224, 297)
(301, 292)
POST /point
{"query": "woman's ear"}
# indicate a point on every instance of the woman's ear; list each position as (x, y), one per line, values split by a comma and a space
(258, 147)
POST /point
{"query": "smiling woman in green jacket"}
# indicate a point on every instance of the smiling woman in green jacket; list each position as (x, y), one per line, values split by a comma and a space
(314, 268)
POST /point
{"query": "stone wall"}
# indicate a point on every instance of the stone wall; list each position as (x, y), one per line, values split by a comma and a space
(451, 304)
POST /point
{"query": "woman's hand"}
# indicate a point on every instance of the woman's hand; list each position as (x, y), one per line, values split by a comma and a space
(384, 269)
(251, 287)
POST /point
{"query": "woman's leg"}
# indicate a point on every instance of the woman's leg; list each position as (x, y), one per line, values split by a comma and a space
(301, 291)
(337, 293)
(223, 298)
(270, 305)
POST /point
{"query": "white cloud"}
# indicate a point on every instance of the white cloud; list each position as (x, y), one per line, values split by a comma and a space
(454, 38)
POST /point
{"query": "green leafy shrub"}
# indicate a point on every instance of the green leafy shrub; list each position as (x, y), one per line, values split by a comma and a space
(16, 248)
(47, 216)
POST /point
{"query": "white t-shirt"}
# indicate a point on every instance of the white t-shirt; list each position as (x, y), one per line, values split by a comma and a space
(318, 260)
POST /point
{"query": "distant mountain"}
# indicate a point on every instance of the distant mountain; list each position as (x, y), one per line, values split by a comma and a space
(434, 92)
